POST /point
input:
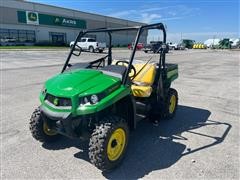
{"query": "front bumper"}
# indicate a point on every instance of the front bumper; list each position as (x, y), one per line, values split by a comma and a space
(64, 123)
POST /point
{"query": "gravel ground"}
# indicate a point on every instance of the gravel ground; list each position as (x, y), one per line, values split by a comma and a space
(202, 141)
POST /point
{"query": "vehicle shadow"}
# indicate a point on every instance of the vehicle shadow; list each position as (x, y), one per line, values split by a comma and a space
(154, 147)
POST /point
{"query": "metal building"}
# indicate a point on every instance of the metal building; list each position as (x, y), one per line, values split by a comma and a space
(24, 22)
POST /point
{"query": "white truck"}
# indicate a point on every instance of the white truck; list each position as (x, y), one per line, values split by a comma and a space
(90, 44)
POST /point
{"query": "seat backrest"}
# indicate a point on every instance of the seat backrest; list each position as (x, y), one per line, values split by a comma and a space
(146, 75)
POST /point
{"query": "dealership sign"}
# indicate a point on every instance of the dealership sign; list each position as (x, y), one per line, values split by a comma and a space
(65, 21)
(35, 18)
(32, 18)
(69, 21)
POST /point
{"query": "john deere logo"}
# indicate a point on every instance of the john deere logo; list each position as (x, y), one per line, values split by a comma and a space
(57, 21)
(56, 101)
(32, 16)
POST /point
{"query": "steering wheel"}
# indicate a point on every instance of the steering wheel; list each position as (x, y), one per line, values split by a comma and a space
(131, 68)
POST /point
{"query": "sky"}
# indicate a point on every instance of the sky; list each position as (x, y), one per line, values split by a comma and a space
(192, 19)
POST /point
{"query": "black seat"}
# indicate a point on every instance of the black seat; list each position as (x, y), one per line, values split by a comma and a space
(115, 71)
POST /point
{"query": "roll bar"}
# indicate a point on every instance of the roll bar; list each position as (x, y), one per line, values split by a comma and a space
(109, 31)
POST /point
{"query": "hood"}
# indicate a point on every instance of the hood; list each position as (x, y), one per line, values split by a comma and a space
(80, 82)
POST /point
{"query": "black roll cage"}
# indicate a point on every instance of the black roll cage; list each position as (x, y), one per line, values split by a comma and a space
(109, 31)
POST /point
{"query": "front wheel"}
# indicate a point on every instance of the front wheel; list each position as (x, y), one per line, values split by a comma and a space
(40, 130)
(108, 143)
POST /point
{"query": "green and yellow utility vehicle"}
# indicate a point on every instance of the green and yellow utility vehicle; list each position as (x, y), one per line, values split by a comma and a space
(103, 100)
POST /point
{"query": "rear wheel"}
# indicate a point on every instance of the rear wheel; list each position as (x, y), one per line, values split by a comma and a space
(40, 130)
(100, 51)
(171, 104)
(108, 143)
(167, 109)
(91, 49)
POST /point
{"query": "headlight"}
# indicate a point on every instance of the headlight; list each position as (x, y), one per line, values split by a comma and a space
(88, 100)
(85, 100)
(94, 99)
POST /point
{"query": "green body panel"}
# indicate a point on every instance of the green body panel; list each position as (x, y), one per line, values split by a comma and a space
(80, 82)
(172, 72)
(107, 101)
(83, 83)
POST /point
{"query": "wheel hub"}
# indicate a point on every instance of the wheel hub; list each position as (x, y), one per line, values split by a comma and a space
(116, 144)
(172, 104)
(48, 131)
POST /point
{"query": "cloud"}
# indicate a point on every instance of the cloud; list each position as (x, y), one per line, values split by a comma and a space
(134, 15)
(172, 13)
(148, 18)
(122, 14)
(173, 18)
(156, 14)
(157, 8)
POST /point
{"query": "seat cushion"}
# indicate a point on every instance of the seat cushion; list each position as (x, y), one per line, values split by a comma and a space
(142, 83)
(142, 86)
(146, 75)
(141, 91)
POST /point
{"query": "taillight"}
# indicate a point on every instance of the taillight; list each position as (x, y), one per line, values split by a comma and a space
(97, 44)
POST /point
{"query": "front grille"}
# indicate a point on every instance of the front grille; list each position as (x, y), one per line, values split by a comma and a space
(58, 101)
